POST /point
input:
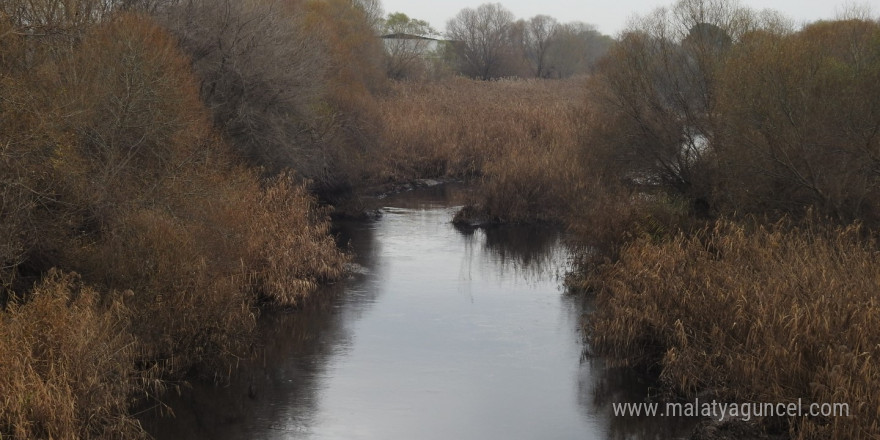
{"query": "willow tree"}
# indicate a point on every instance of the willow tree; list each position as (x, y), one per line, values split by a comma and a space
(407, 43)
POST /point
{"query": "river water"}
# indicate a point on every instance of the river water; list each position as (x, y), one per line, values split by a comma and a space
(438, 334)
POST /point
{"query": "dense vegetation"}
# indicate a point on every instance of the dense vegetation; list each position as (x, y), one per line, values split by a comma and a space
(516, 139)
(161, 162)
(138, 238)
(706, 110)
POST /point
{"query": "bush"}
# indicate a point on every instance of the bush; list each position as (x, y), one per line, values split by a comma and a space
(165, 211)
(135, 191)
(800, 121)
(289, 84)
(261, 74)
(110, 167)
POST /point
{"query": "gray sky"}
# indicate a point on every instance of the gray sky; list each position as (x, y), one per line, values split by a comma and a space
(609, 16)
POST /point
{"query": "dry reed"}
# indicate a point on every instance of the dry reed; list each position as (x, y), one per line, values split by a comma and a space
(765, 314)
(520, 138)
(67, 368)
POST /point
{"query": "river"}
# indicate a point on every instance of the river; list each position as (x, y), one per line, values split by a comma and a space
(438, 334)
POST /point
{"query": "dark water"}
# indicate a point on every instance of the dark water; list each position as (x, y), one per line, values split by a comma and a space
(440, 334)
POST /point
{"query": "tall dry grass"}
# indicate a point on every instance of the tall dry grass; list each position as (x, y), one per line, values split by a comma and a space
(291, 246)
(68, 359)
(752, 313)
(518, 137)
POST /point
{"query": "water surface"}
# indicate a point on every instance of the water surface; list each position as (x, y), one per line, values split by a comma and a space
(439, 334)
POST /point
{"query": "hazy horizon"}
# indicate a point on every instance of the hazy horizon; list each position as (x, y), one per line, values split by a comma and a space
(609, 18)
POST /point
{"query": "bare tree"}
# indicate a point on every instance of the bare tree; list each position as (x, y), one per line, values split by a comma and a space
(261, 75)
(373, 12)
(483, 36)
(575, 49)
(539, 34)
(661, 80)
(48, 17)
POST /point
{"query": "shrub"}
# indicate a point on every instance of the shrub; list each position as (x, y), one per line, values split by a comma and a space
(261, 73)
(800, 121)
(167, 212)
(135, 191)
(289, 84)
(111, 167)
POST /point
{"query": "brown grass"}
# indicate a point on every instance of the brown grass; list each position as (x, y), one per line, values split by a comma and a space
(291, 246)
(67, 368)
(766, 314)
(519, 138)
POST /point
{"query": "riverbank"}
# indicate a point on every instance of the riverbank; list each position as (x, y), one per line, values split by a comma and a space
(655, 255)
(751, 313)
(515, 139)
(159, 187)
(491, 347)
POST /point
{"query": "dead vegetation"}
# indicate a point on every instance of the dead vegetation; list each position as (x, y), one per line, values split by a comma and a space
(122, 165)
(68, 364)
(706, 110)
(751, 313)
(136, 244)
(517, 138)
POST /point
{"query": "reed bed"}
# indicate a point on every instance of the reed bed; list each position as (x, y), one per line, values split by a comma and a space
(752, 313)
(518, 138)
(67, 367)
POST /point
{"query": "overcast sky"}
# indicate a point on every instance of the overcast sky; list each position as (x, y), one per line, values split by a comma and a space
(609, 16)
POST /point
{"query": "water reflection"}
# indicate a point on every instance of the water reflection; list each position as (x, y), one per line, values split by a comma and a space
(440, 335)
(602, 387)
(294, 350)
(521, 251)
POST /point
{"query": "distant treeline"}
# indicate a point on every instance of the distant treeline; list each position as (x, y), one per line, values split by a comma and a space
(489, 42)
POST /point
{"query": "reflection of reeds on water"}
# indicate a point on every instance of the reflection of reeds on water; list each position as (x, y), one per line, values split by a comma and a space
(599, 387)
(533, 253)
